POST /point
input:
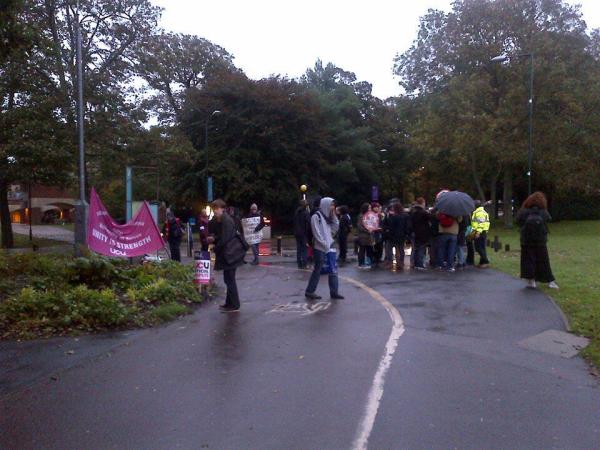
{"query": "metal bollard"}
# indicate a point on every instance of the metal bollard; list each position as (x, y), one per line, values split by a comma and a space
(507, 248)
(497, 246)
(279, 245)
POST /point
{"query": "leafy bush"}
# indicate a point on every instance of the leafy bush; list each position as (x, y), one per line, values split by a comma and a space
(35, 311)
(94, 271)
(163, 291)
(168, 311)
(45, 294)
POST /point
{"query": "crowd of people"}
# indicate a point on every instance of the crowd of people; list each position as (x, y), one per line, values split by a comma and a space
(381, 236)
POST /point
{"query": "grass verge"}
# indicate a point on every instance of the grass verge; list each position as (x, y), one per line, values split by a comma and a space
(574, 250)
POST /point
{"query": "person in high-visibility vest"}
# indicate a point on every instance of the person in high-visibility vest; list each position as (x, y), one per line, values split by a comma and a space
(480, 224)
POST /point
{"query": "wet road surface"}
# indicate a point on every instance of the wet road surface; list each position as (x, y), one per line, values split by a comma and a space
(282, 375)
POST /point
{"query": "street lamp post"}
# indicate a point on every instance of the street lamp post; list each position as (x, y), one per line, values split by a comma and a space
(502, 58)
(209, 193)
(81, 207)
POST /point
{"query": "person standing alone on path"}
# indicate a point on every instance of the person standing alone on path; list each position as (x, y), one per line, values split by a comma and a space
(480, 224)
(224, 239)
(324, 224)
(254, 212)
(301, 232)
(535, 261)
(173, 234)
(344, 232)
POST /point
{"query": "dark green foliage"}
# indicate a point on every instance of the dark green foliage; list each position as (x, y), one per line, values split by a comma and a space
(574, 206)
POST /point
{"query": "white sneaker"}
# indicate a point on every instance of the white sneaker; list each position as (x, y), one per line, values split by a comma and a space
(531, 284)
(553, 285)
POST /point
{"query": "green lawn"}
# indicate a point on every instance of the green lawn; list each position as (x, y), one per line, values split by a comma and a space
(575, 258)
(22, 241)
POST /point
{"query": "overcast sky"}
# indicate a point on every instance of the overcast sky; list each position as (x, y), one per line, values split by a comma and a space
(287, 36)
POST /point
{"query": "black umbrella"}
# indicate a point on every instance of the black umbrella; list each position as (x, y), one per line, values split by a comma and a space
(455, 204)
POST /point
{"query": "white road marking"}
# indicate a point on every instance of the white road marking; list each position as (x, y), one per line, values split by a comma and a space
(376, 392)
(305, 309)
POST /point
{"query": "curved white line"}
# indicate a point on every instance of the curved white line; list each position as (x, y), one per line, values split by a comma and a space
(376, 392)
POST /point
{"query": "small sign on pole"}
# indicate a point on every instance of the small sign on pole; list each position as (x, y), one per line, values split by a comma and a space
(375, 193)
(202, 268)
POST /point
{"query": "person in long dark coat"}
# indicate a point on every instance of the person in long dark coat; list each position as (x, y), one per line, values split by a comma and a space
(224, 230)
(301, 232)
(532, 218)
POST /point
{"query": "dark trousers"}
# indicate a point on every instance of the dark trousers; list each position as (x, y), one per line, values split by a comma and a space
(377, 252)
(470, 253)
(232, 299)
(175, 248)
(301, 252)
(418, 254)
(362, 251)
(479, 244)
(315, 276)
(343, 243)
(399, 246)
(255, 252)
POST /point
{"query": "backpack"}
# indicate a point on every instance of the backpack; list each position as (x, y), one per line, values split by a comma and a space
(446, 221)
(534, 229)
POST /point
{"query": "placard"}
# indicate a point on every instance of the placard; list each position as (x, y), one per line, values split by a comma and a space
(371, 221)
(249, 224)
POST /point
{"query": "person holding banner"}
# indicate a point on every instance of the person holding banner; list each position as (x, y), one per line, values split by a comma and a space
(230, 249)
(324, 225)
(173, 234)
(252, 224)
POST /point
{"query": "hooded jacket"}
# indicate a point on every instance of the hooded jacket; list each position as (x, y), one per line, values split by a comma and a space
(324, 225)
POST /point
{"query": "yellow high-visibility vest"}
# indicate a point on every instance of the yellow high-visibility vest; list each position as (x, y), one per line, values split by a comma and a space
(480, 220)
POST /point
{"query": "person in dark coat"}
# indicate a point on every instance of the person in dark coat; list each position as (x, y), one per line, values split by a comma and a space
(173, 233)
(301, 232)
(399, 232)
(532, 218)
(224, 229)
(419, 218)
(344, 232)
(378, 235)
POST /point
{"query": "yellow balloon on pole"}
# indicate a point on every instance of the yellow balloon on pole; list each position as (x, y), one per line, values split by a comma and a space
(303, 188)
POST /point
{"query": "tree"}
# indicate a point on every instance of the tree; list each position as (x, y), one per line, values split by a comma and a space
(483, 105)
(173, 63)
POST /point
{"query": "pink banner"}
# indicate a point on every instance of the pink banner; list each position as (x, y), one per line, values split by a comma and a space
(136, 238)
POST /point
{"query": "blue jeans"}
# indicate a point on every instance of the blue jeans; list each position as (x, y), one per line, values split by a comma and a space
(255, 251)
(315, 276)
(446, 250)
(461, 255)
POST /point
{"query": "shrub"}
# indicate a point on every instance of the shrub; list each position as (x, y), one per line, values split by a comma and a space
(93, 271)
(36, 310)
(163, 291)
(168, 311)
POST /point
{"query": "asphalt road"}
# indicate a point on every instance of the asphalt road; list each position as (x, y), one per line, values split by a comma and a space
(280, 375)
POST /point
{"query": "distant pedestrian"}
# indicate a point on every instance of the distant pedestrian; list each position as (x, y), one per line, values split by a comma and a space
(461, 242)
(378, 235)
(253, 214)
(229, 253)
(203, 230)
(344, 232)
(173, 234)
(480, 224)
(324, 224)
(302, 232)
(399, 232)
(535, 261)
(419, 218)
(365, 238)
(388, 244)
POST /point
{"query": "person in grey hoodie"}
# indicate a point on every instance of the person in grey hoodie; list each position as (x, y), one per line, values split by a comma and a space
(324, 224)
